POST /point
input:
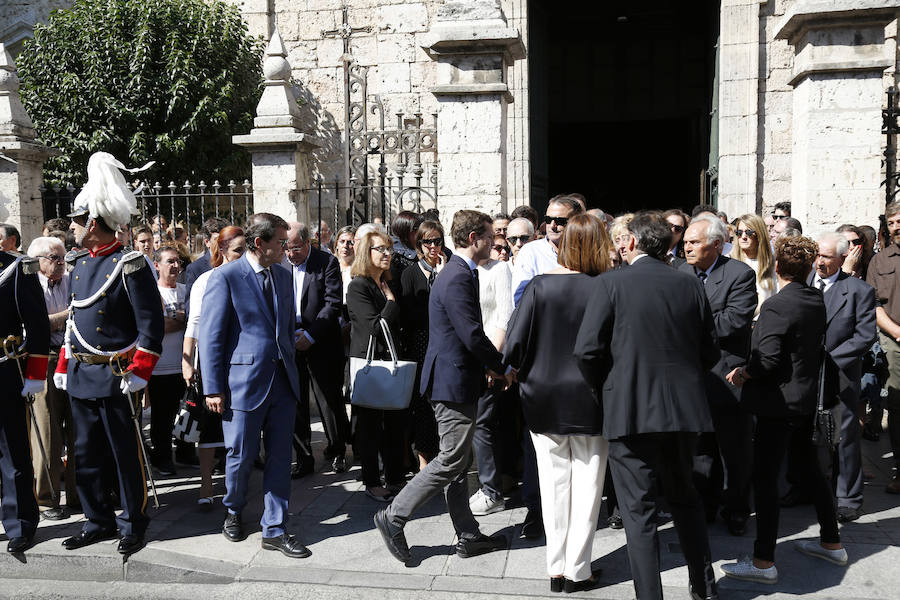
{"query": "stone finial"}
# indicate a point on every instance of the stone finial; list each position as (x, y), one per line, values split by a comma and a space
(15, 124)
(278, 105)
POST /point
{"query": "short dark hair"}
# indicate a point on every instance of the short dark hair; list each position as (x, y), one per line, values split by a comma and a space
(425, 228)
(651, 233)
(569, 202)
(466, 222)
(263, 225)
(892, 209)
(136, 231)
(702, 208)
(677, 212)
(56, 224)
(432, 214)
(404, 224)
(157, 254)
(793, 223)
(10, 231)
(502, 216)
(213, 225)
(794, 257)
(784, 207)
(526, 212)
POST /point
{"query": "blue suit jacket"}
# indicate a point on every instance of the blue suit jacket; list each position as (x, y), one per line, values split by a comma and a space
(458, 350)
(241, 344)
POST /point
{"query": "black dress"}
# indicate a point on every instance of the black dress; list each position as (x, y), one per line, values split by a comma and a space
(414, 308)
(539, 343)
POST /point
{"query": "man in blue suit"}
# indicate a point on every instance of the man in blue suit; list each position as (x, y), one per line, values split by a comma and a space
(247, 362)
(453, 377)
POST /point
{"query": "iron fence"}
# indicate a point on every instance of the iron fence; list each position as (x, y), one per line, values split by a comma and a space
(184, 206)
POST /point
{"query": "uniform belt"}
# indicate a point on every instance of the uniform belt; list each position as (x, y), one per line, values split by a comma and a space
(100, 359)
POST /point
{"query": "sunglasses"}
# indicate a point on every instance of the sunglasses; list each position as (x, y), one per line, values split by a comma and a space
(499, 248)
(560, 221)
(743, 232)
(856, 242)
(518, 239)
(433, 242)
(777, 217)
(385, 250)
(676, 228)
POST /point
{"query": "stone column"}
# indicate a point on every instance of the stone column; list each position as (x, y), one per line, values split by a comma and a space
(474, 48)
(21, 169)
(844, 59)
(279, 150)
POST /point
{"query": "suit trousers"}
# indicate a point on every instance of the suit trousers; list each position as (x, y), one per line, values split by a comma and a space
(572, 469)
(641, 465)
(274, 418)
(18, 506)
(484, 442)
(325, 375)
(105, 438)
(773, 438)
(892, 351)
(447, 471)
(723, 466)
(849, 485)
(53, 414)
(165, 393)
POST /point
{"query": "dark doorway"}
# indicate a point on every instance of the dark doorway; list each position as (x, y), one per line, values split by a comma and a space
(620, 101)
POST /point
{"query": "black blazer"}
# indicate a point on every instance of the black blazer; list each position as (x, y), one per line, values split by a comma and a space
(321, 304)
(731, 291)
(647, 339)
(458, 350)
(849, 328)
(555, 397)
(786, 353)
(366, 304)
(191, 273)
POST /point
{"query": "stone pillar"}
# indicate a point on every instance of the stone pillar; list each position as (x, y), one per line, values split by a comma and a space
(21, 169)
(474, 48)
(279, 150)
(844, 59)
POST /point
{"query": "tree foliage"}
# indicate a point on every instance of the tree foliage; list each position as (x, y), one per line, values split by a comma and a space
(163, 80)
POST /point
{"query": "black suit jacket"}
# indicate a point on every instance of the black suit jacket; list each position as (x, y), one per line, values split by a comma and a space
(731, 291)
(321, 304)
(849, 328)
(458, 350)
(647, 340)
(366, 304)
(786, 353)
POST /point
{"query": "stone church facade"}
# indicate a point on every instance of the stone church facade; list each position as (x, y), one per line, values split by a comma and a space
(635, 104)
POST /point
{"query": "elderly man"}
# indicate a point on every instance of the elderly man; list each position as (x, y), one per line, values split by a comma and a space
(730, 287)
(519, 232)
(10, 239)
(51, 408)
(320, 353)
(849, 333)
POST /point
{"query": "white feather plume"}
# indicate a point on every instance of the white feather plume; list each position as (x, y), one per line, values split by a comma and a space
(106, 193)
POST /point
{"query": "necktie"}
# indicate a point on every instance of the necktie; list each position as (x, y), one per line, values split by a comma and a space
(477, 288)
(267, 290)
(702, 275)
(821, 285)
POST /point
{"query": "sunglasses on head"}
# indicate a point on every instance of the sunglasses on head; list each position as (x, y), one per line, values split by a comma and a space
(516, 239)
(742, 232)
(560, 221)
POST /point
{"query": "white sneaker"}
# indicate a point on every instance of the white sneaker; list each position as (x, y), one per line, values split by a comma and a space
(814, 548)
(746, 571)
(481, 504)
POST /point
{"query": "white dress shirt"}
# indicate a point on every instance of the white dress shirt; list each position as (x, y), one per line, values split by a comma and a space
(56, 297)
(829, 281)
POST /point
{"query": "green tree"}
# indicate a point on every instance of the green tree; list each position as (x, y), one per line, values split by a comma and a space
(163, 80)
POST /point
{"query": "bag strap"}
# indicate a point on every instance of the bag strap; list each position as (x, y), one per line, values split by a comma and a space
(388, 338)
(821, 395)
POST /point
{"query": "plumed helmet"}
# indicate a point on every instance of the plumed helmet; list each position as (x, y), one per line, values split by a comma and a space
(106, 194)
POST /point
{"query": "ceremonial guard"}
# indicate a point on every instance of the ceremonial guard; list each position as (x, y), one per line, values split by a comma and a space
(113, 339)
(25, 330)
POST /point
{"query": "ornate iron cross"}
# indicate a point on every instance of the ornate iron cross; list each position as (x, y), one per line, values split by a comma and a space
(344, 32)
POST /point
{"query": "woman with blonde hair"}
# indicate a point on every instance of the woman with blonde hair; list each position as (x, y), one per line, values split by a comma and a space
(752, 248)
(619, 235)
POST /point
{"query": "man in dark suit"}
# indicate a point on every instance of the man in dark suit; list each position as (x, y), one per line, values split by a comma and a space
(458, 354)
(210, 231)
(249, 376)
(849, 332)
(645, 344)
(320, 353)
(726, 456)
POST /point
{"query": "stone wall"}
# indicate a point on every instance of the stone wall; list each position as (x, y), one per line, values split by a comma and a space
(17, 19)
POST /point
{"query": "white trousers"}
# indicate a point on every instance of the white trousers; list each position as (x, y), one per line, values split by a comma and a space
(571, 470)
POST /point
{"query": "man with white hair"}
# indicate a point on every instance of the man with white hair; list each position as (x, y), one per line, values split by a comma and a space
(519, 232)
(724, 457)
(51, 408)
(849, 333)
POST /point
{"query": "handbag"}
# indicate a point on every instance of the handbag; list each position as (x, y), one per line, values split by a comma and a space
(190, 417)
(381, 384)
(824, 426)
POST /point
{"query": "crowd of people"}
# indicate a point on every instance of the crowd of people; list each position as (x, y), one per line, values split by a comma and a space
(669, 363)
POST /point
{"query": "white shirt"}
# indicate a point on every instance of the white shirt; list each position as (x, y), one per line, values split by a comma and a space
(533, 259)
(170, 359)
(495, 295)
(829, 281)
(197, 292)
(56, 297)
(298, 274)
(707, 271)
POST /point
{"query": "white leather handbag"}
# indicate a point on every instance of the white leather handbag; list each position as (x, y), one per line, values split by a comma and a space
(381, 384)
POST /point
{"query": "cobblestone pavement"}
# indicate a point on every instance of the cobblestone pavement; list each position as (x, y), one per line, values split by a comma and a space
(186, 554)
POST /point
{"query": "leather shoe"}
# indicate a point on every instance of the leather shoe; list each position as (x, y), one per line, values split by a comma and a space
(339, 464)
(893, 487)
(55, 514)
(469, 547)
(233, 529)
(287, 545)
(302, 469)
(708, 596)
(615, 520)
(129, 544)
(86, 538)
(393, 536)
(584, 585)
(18, 544)
(845, 514)
(533, 525)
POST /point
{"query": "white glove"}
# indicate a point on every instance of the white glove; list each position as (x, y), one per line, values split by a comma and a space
(132, 383)
(59, 380)
(33, 386)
